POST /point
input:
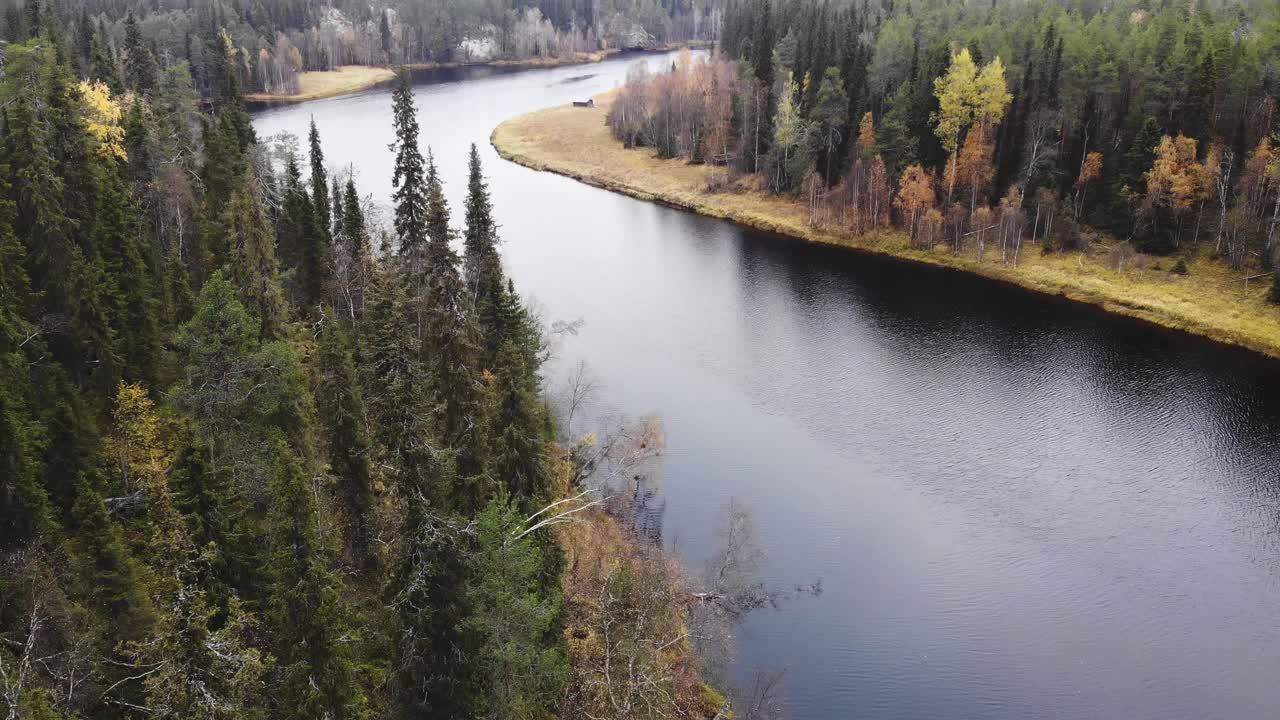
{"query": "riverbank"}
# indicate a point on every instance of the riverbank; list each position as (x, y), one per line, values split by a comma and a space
(346, 79)
(317, 84)
(1208, 300)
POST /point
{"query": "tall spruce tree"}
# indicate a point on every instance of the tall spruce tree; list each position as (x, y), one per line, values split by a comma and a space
(410, 182)
(355, 259)
(305, 606)
(343, 414)
(482, 265)
(521, 429)
(450, 351)
(24, 502)
(139, 62)
(131, 275)
(395, 382)
(319, 181)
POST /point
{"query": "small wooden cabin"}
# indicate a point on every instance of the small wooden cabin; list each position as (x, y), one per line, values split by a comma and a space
(590, 102)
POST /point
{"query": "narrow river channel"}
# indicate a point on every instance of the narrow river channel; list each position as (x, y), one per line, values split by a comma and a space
(1019, 508)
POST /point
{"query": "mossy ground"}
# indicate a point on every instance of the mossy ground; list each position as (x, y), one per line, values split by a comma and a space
(1209, 299)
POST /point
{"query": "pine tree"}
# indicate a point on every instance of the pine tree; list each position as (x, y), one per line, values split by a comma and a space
(830, 108)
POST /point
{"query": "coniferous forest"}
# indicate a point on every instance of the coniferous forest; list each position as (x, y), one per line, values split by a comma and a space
(265, 453)
(987, 126)
(262, 457)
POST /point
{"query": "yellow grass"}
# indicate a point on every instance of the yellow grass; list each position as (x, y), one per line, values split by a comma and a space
(316, 84)
(1210, 300)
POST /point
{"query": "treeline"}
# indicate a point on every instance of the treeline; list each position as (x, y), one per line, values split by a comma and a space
(1014, 120)
(252, 466)
(272, 42)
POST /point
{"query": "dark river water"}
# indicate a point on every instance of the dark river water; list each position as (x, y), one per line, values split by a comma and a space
(1019, 508)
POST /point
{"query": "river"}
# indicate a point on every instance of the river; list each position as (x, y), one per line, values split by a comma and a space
(1018, 507)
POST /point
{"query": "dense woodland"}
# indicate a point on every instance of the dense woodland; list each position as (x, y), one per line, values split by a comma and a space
(272, 41)
(984, 126)
(262, 456)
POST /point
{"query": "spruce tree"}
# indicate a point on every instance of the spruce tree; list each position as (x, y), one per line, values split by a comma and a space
(435, 673)
(305, 246)
(356, 260)
(342, 412)
(410, 182)
(24, 504)
(335, 204)
(139, 143)
(449, 349)
(511, 615)
(39, 221)
(34, 18)
(128, 266)
(305, 608)
(394, 381)
(319, 183)
(254, 266)
(84, 44)
(140, 64)
(219, 525)
(521, 429)
(482, 266)
(102, 68)
(112, 577)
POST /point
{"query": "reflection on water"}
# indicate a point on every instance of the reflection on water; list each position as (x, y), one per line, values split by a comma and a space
(1019, 507)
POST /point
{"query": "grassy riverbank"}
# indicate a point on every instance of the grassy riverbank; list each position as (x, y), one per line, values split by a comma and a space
(317, 84)
(1208, 300)
(313, 85)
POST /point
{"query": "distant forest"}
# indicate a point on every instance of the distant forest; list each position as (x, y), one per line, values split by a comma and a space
(273, 41)
(963, 121)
